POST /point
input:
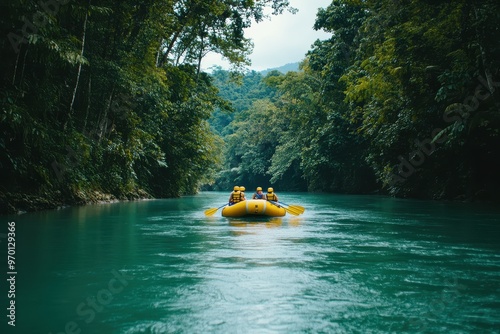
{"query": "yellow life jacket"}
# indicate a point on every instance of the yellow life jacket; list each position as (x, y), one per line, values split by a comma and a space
(235, 197)
(271, 197)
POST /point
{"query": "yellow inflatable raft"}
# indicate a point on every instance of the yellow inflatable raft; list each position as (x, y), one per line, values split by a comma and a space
(253, 207)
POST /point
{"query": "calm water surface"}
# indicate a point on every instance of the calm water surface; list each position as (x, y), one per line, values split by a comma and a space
(350, 264)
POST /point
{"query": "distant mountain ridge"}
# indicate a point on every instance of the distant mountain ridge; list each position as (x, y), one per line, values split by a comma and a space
(290, 67)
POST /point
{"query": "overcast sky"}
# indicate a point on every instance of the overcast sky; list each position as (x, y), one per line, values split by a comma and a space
(283, 39)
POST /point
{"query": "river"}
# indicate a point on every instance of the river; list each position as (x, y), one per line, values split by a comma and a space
(349, 264)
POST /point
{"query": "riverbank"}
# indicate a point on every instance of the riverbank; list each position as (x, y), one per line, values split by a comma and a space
(17, 203)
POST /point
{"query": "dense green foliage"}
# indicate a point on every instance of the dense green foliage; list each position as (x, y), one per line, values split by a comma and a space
(240, 91)
(403, 98)
(108, 97)
(408, 68)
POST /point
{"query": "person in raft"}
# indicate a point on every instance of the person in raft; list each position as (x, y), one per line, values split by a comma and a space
(235, 196)
(259, 194)
(242, 193)
(271, 196)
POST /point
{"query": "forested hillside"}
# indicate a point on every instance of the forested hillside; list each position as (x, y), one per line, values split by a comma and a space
(103, 100)
(403, 100)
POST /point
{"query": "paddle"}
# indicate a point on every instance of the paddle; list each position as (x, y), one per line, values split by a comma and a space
(291, 209)
(211, 211)
(296, 208)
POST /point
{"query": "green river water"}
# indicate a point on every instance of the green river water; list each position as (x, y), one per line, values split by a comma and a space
(349, 264)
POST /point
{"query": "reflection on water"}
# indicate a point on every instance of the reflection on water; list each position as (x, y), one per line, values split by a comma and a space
(271, 222)
(256, 222)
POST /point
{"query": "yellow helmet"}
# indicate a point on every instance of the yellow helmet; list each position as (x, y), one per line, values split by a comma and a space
(259, 188)
(236, 188)
(270, 190)
(242, 188)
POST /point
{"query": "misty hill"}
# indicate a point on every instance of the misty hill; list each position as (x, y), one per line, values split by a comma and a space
(290, 67)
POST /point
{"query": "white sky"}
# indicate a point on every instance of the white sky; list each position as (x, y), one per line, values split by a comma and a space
(284, 39)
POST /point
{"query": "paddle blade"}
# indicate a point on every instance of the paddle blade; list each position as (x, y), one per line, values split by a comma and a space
(292, 212)
(211, 211)
(291, 209)
(297, 208)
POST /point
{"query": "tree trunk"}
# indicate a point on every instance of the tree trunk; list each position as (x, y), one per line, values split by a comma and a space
(157, 64)
(171, 45)
(24, 66)
(15, 69)
(88, 104)
(79, 65)
(104, 123)
(484, 60)
(200, 57)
